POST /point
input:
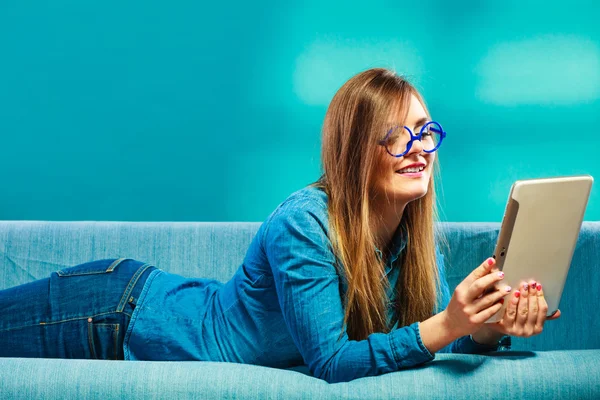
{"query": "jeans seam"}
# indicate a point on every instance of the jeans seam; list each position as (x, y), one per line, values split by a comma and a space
(114, 329)
(132, 321)
(91, 340)
(115, 263)
(132, 282)
(110, 268)
(63, 275)
(116, 341)
(64, 320)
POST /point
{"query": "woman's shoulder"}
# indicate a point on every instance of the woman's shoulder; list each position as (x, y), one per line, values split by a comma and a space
(298, 224)
(307, 195)
(309, 198)
(306, 205)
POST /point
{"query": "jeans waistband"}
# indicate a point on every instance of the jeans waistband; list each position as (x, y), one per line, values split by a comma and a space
(136, 283)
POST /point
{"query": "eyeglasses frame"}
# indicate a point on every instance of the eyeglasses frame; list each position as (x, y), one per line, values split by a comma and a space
(441, 132)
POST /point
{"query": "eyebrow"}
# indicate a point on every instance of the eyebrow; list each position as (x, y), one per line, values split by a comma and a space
(421, 121)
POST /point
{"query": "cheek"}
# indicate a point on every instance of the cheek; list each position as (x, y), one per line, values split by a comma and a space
(385, 168)
(430, 160)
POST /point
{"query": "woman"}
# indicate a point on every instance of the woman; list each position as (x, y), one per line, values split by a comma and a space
(344, 275)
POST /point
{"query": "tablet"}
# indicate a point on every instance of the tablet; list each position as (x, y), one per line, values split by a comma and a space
(539, 232)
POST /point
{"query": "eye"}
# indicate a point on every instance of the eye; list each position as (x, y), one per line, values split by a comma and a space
(426, 131)
(393, 135)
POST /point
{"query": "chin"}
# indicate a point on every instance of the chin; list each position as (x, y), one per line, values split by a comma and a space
(414, 190)
(404, 191)
(406, 195)
(415, 196)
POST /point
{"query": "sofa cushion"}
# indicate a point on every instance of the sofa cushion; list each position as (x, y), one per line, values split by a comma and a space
(555, 374)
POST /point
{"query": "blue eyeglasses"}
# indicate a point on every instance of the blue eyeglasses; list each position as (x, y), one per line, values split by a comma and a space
(399, 139)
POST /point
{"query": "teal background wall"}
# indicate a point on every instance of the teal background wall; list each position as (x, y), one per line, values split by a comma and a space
(182, 111)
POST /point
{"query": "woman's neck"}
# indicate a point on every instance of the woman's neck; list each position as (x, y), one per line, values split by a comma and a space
(384, 222)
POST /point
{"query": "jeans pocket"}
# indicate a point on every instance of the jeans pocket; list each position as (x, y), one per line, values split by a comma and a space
(103, 340)
(93, 267)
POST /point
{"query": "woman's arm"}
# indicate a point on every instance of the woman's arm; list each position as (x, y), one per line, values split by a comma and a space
(308, 290)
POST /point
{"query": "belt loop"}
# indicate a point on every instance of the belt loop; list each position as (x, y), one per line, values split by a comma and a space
(131, 285)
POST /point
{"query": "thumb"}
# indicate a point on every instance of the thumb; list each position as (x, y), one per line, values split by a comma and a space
(554, 316)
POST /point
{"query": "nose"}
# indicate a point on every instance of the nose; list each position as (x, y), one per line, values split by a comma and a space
(417, 147)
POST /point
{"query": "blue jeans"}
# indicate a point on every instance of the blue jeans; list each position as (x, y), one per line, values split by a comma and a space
(78, 312)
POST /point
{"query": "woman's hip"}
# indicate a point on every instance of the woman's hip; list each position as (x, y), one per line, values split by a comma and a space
(78, 312)
(98, 287)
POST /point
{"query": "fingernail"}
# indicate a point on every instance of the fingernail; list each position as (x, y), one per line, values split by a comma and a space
(490, 261)
(501, 274)
(525, 287)
(532, 285)
(539, 287)
(501, 301)
(517, 294)
(508, 288)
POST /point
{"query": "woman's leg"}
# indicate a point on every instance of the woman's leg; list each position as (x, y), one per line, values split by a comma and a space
(78, 312)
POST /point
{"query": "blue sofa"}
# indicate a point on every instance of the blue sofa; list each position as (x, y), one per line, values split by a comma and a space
(563, 362)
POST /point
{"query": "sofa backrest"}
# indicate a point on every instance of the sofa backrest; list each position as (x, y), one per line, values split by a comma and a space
(32, 249)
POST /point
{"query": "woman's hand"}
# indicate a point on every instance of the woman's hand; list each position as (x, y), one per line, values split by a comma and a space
(469, 307)
(526, 312)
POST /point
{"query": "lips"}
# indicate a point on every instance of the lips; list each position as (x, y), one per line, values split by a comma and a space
(417, 164)
(412, 168)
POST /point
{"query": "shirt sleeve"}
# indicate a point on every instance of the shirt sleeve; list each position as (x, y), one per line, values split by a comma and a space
(464, 344)
(308, 290)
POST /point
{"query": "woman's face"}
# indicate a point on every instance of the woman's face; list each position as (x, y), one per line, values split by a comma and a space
(392, 181)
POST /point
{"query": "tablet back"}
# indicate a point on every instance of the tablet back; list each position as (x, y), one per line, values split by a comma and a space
(539, 232)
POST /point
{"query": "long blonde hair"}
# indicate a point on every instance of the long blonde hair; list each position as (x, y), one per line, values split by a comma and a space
(355, 119)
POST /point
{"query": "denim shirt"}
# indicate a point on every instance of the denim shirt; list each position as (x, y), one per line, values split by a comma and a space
(282, 308)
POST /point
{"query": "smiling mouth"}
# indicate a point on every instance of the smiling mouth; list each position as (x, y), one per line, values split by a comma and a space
(410, 170)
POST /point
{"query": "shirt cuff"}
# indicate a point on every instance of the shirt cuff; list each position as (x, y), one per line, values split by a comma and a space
(408, 348)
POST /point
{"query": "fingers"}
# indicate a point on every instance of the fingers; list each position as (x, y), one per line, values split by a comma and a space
(527, 311)
(543, 308)
(480, 271)
(490, 299)
(487, 313)
(523, 307)
(478, 286)
(510, 314)
(532, 316)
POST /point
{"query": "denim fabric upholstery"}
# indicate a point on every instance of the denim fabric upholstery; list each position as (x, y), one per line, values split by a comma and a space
(573, 374)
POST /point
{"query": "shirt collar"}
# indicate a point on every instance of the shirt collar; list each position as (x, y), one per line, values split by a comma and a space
(398, 244)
